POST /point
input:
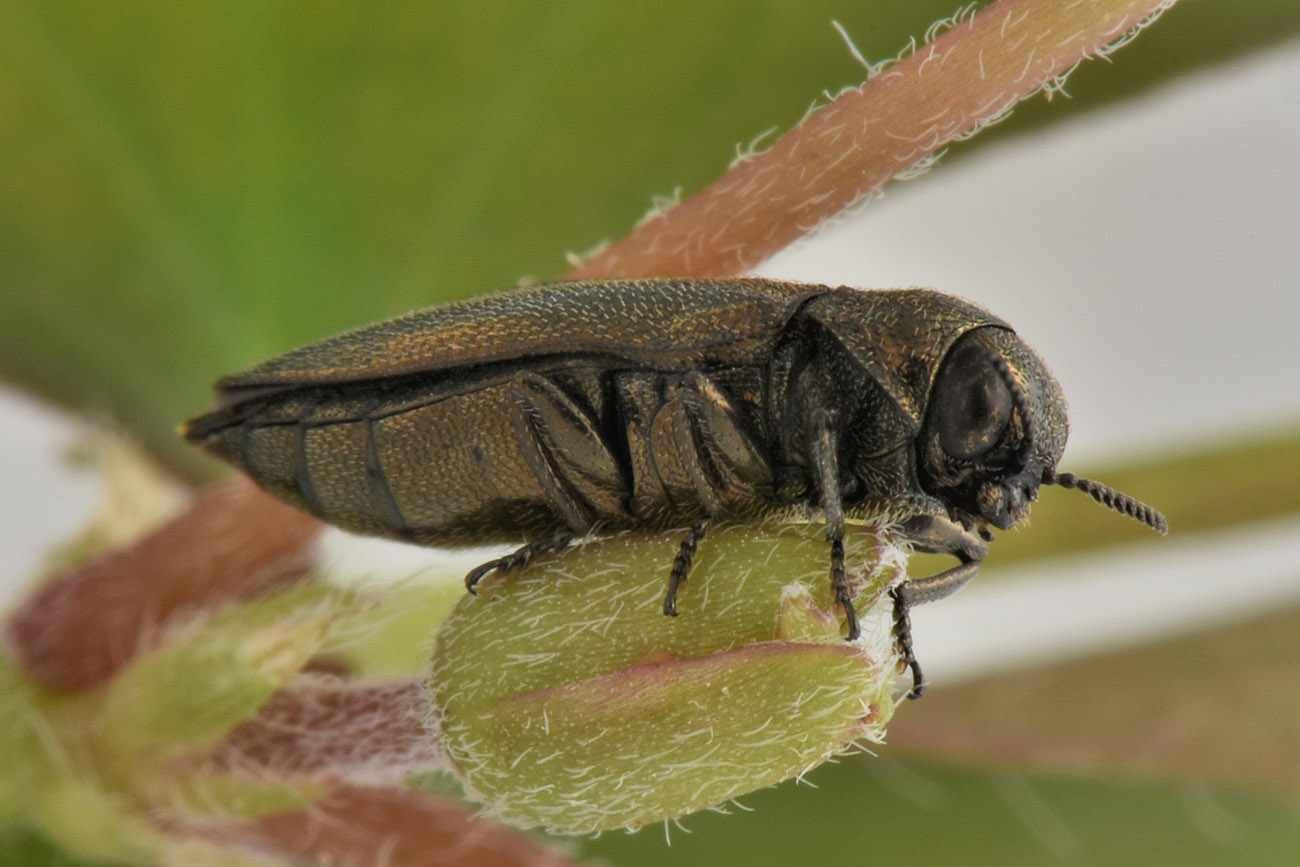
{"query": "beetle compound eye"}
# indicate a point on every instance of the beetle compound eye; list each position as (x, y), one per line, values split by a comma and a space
(972, 404)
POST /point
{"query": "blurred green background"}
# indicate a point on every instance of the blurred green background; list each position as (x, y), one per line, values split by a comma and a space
(186, 189)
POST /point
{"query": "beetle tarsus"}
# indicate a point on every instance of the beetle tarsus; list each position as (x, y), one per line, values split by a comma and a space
(517, 559)
(682, 565)
(840, 587)
(916, 592)
(903, 638)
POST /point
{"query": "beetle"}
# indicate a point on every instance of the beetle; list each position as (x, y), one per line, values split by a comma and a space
(563, 409)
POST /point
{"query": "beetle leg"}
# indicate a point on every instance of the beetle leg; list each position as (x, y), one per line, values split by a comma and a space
(701, 450)
(518, 559)
(903, 640)
(918, 591)
(716, 456)
(564, 450)
(688, 452)
(940, 535)
(719, 433)
(682, 565)
(675, 455)
(822, 452)
(915, 592)
(935, 534)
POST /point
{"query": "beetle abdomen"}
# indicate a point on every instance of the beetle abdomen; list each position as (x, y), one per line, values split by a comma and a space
(417, 464)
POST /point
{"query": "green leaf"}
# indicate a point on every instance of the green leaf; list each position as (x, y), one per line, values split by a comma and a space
(22, 846)
(57, 806)
(1211, 707)
(876, 810)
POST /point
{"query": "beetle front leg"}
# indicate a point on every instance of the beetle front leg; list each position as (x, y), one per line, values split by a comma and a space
(935, 535)
(911, 593)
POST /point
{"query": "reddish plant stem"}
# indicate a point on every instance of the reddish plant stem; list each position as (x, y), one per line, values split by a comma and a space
(81, 627)
(967, 77)
(363, 732)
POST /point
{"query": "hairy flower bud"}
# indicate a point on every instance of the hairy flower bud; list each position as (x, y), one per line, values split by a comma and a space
(566, 699)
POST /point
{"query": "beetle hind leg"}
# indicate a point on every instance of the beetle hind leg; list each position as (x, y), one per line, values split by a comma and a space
(562, 445)
(518, 559)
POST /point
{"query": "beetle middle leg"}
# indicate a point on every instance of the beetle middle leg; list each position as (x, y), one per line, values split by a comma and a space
(518, 559)
(698, 436)
(682, 565)
(822, 452)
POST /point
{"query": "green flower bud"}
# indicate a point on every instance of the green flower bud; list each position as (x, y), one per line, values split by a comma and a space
(566, 699)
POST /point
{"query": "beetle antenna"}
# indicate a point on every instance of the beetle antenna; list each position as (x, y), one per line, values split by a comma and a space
(1110, 498)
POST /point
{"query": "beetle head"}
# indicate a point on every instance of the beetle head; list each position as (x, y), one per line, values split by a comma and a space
(994, 431)
(994, 424)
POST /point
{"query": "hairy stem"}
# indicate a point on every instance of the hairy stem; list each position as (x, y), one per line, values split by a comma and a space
(947, 89)
(367, 732)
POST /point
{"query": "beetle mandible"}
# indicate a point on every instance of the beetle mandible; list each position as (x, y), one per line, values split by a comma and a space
(555, 411)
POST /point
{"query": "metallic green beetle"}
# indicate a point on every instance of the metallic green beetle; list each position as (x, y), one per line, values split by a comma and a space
(569, 408)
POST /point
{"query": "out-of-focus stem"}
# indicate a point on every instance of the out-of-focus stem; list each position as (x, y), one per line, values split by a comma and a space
(359, 826)
(83, 626)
